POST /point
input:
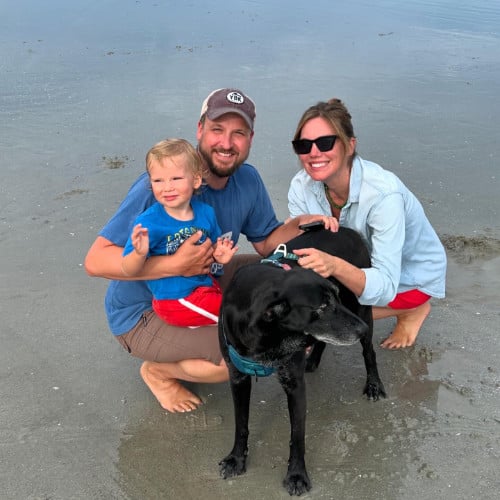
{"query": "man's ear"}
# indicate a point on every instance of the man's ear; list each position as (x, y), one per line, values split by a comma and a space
(199, 130)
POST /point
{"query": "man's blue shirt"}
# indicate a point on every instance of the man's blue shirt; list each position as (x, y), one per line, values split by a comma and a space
(242, 207)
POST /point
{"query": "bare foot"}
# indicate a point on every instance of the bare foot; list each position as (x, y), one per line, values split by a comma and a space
(171, 395)
(407, 327)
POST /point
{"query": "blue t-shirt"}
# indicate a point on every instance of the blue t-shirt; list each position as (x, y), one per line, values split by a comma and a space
(242, 207)
(166, 235)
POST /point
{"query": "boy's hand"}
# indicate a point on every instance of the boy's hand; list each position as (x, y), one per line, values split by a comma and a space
(224, 250)
(140, 240)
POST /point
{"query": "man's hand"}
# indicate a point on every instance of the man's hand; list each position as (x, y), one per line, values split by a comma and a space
(193, 258)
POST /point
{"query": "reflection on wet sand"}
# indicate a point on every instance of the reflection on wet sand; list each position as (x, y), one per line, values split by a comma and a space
(351, 442)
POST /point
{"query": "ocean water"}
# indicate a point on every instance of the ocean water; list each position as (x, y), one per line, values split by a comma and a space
(85, 83)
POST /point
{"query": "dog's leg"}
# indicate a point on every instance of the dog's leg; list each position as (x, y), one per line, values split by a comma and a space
(235, 463)
(374, 387)
(292, 380)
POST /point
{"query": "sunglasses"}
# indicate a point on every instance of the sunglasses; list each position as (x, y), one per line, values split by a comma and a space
(304, 146)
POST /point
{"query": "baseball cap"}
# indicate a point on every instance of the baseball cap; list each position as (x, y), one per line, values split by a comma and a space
(223, 101)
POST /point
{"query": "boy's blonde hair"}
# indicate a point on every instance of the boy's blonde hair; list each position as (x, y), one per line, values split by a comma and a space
(175, 147)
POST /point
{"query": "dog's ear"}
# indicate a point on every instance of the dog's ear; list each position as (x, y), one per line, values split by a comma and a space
(276, 311)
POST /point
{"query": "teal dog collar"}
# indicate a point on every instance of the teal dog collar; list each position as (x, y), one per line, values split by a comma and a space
(248, 366)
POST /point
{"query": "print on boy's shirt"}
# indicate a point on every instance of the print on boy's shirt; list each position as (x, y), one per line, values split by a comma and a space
(174, 241)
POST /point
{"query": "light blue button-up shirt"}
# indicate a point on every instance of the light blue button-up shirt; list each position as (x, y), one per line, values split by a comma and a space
(405, 250)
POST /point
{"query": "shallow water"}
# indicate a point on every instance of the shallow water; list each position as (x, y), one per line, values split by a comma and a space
(85, 81)
(87, 87)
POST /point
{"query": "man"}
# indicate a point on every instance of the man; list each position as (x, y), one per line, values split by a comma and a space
(242, 205)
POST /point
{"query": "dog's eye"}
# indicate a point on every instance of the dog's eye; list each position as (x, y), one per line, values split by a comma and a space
(317, 313)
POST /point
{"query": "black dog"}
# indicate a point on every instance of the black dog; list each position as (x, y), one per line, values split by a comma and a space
(271, 312)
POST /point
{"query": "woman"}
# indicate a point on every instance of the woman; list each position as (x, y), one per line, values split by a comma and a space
(408, 260)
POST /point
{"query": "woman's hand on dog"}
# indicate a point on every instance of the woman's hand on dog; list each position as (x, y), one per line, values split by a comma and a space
(330, 223)
(327, 266)
(316, 260)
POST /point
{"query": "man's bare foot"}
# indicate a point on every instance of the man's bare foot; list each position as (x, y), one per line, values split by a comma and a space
(169, 392)
(407, 327)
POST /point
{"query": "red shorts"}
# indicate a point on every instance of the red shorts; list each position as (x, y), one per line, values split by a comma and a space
(199, 308)
(409, 300)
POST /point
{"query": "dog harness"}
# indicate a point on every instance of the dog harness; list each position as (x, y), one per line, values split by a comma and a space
(280, 253)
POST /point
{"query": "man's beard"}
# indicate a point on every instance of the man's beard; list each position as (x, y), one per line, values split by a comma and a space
(214, 169)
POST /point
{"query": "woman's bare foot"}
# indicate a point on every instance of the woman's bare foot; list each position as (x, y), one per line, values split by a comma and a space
(169, 392)
(407, 327)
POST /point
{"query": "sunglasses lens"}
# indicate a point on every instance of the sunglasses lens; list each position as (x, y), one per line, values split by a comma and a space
(325, 143)
(304, 146)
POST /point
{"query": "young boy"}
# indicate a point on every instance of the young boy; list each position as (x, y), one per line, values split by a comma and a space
(175, 173)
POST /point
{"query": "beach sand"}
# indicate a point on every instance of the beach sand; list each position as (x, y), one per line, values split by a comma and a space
(78, 422)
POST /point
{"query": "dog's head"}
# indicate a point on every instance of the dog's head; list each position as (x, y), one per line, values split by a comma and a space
(270, 311)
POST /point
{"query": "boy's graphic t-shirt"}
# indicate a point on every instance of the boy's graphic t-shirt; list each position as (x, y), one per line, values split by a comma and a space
(166, 235)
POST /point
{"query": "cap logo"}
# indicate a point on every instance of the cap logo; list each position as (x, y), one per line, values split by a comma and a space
(235, 98)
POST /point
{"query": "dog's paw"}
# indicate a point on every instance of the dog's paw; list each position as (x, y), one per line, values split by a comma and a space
(374, 390)
(232, 466)
(297, 483)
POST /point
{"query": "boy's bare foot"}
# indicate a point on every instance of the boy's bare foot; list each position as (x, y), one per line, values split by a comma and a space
(169, 392)
(407, 327)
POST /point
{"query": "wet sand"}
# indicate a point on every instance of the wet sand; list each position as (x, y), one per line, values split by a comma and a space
(77, 421)
(84, 97)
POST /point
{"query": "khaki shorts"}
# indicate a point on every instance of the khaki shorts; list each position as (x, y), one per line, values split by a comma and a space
(154, 340)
